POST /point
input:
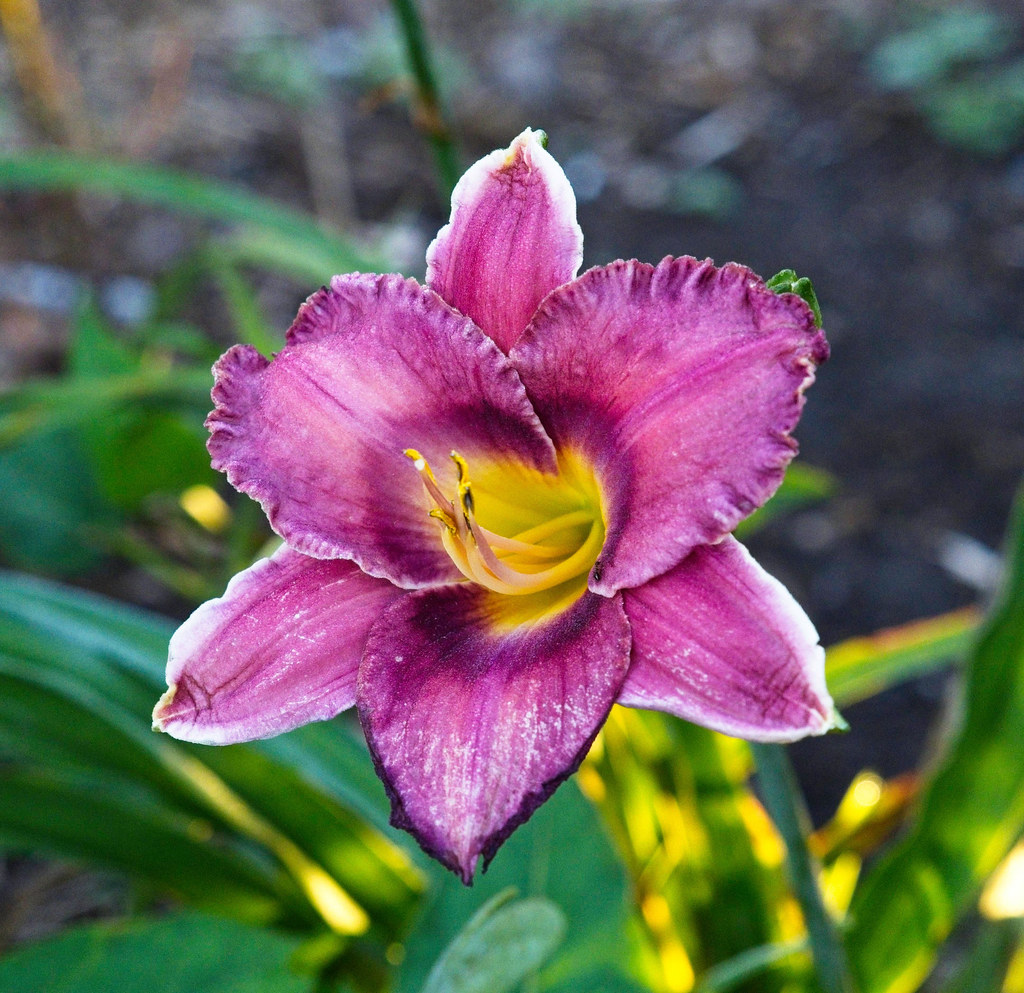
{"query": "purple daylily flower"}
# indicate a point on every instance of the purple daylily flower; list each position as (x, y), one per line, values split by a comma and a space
(506, 499)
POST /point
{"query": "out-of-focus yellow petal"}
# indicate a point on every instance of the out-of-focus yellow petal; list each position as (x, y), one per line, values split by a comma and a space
(205, 506)
(1003, 896)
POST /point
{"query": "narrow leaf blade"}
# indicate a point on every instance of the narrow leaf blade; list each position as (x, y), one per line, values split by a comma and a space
(971, 812)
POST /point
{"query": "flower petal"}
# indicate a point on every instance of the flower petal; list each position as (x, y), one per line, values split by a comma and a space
(279, 649)
(681, 383)
(373, 366)
(473, 723)
(512, 238)
(721, 643)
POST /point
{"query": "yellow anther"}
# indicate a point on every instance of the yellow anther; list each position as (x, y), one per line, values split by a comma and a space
(465, 493)
(418, 461)
(426, 474)
(445, 518)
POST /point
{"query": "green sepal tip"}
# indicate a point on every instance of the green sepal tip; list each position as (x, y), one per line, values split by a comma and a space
(787, 281)
(839, 723)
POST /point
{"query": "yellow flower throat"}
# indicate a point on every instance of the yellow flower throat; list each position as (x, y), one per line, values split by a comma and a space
(517, 531)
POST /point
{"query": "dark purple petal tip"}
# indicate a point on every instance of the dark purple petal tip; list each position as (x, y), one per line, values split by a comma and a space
(472, 726)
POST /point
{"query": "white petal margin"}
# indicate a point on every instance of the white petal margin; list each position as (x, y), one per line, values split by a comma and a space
(512, 238)
(279, 649)
(719, 642)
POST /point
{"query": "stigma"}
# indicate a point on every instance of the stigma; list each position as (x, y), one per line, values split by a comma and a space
(561, 543)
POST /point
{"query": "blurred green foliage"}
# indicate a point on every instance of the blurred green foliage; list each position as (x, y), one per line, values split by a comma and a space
(971, 810)
(950, 63)
(97, 461)
(181, 953)
(946, 39)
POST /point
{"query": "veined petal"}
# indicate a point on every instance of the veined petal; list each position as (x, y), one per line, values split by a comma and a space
(512, 238)
(279, 649)
(681, 383)
(472, 721)
(373, 366)
(721, 643)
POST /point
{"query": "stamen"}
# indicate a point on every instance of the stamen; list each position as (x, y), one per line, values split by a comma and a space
(525, 565)
(445, 518)
(427, 475)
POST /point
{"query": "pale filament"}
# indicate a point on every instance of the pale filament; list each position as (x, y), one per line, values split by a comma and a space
(516, 564)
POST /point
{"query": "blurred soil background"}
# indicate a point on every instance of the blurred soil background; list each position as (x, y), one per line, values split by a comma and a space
(875, 146)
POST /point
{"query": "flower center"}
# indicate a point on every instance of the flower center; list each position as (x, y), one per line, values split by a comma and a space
(517, 531)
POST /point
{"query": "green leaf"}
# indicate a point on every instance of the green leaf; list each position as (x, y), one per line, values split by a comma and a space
(784, 802)
(332, 754)
(728, 892)
(282, 68)
(376, 873)
(105, 374)
(95, 350)
(861, 667)
(184, 953)
(504, 941)
(983, 113)
(131, 639)
(120, 825)
(923, 56)
(133, 450)
(242, 303)
(50, 499)
(138, 453)
(677, 802)
(747, 965)
(86, 778)
(307, 262)
(179, 337)
(708, 192)
(803, 485)
(182, 192)
(46, 404)
(971, 812)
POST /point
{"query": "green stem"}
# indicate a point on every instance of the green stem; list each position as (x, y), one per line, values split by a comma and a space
(782, 797)
(243, 306)
(429, 116)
